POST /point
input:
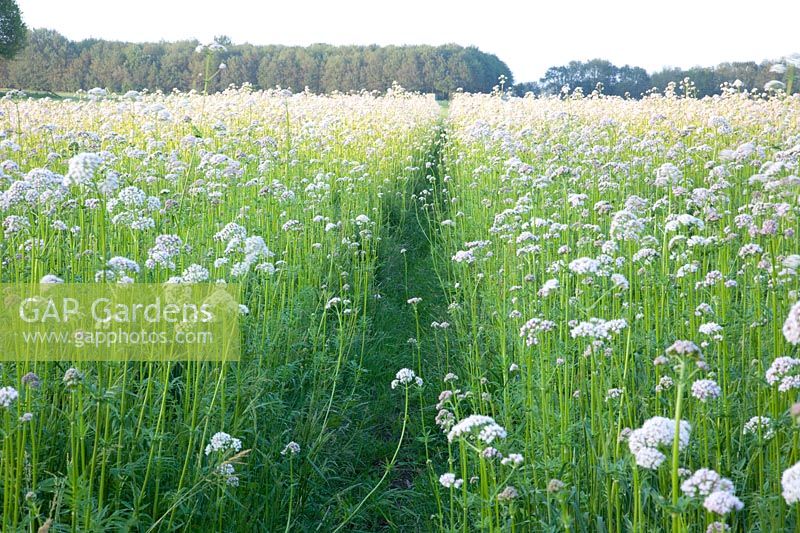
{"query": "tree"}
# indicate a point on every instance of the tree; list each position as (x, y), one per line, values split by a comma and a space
(12, 29)
(708, 80)
(52, 62)
(632, 80)
(616, 81)
(224, 40)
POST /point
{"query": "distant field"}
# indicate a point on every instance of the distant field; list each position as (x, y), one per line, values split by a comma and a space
(480, 314)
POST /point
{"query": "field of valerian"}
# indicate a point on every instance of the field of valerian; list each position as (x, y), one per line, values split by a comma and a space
(526, 314)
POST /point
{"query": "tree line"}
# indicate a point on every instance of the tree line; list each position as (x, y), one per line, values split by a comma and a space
(635, 81)
(51, 62)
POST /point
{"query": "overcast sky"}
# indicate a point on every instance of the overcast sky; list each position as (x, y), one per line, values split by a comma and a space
(529, 36)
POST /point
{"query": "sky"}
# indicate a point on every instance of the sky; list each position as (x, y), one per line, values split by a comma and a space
(529, 36)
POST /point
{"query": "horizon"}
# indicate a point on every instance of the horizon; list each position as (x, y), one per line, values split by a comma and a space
(331, 26)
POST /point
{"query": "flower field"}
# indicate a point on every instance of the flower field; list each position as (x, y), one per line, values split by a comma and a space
(521, 314)
(620, 273)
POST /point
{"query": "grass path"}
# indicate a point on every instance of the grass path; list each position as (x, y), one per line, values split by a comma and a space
(405, 271)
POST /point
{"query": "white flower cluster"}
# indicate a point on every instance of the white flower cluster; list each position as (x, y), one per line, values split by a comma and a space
(645, 255)
(626, 225)
(123, 264)
(665, 383)
(759, 425)
(445, 419)
(491, 453)
(667, 174)
(703, 309)
(15, 224)
(222, 442)
(674, 222)
(584, 265)
(449, 480)
(486, 428)
(463, 256)
(750, 249)
(8, 395)
(253, 248)
(195, 274)
(513, 459)
(291, 449)
(228, 471)
(781, 371)
(613, 394)
(335, 302)
(531, 329)
(704, 482)
(82, 168)
(790, 481)
(72, 377)
(292, 225)
(682, 347)
(706, 389)
(654, 433)
(549, 286)
(507, 494)
(649, 458)
(166, 248)
(722, 503)
(712, 329)
(406, 376)
(50, 279)
(791, 327)
(130, 208)
(231, 232)
(597, 328)
(620, 282)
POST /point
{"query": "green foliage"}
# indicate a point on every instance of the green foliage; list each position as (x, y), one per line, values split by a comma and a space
(52, 62)
(707, 80)
(12, 29)
(635, 81)
(616, 81)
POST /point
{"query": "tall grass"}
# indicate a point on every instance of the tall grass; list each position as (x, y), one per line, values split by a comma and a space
(592, 290)
(668, 217)
(124, 444)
